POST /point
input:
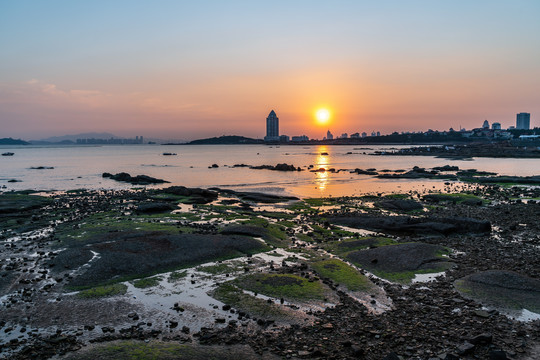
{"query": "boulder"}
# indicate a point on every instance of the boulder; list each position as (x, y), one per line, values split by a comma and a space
(400, 205)
(154, 208)
(411, 225)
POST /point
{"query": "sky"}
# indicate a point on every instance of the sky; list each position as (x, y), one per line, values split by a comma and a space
(195, 69)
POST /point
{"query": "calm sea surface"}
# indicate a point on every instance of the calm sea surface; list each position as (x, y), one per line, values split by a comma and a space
(78, 167)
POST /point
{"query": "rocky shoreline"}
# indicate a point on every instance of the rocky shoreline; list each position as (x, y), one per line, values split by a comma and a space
(336, 278)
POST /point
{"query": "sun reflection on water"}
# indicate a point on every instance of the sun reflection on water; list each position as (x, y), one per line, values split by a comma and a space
(321, 162)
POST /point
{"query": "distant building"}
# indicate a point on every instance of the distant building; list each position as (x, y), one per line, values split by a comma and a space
(283, 138)
(485, 125)
(378, 133)
(299, 138)
(373, 133)
(111, 141)
(329, 135)
(355, 136)
(272, 127)
(344, 136)
(364, 134)
(496, 126)
(523, 121)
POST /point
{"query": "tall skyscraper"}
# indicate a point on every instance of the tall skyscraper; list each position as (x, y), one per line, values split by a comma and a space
(523, 121)
(329, 135)
(272, 127)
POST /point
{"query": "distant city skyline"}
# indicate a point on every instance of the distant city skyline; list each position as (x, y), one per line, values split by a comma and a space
(190, 70)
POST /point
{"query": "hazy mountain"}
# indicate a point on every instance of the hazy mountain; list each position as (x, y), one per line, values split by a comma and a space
(10, 141)
(90, 135)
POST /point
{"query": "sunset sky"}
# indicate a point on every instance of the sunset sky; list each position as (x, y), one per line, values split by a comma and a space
(193, 69)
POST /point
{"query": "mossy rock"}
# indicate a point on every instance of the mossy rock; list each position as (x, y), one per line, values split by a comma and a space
(140, 350)
(402, 262)
(130, 255)
(103, 291)
(287, 286)
(502, 289)
(147, 282)
(230, 294)
(343, 274)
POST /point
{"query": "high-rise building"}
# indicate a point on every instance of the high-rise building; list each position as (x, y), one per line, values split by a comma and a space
(496, 126)
(485, 125)
(523, 121)
(329, 135)
(272, 127)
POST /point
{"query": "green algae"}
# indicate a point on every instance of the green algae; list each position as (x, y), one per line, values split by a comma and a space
(343, 274)
(287, 286)
(177, 275)
(147, 282)
(156, 350)
(103, 291)
(221, 268)
(232, 295)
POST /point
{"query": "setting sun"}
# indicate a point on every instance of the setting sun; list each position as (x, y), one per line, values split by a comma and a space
(322, 116)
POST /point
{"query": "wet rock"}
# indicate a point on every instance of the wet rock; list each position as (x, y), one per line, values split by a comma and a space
(446, 168)
(134, 180)
(392, 356)
(196, 195)
(501, 288)
(465, 348)
(497, 355)
(154, 208)
(410, 225)
(400, 205)
(485, 338)
(400, 258)
(365, 172)
(137, 252)
(278, 167)
(258, 197)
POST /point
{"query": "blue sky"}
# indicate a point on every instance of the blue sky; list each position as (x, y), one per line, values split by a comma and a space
(192, 69)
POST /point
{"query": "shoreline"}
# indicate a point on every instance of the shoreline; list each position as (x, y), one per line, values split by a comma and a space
(296, 238)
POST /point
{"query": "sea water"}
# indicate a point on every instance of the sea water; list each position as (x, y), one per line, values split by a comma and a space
(81, 167)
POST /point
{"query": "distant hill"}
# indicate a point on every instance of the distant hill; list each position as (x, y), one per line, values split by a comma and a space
(10, 141)
(73, 138)
(226, 140)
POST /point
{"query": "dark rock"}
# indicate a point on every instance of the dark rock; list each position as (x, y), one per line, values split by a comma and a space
(400, 258)
(497, 355)
(392, 356)
(501, 288)
(485, 338)
(410, 225)
(400, 205)
(465, 348)
(196, 195)
(278, 167)
(154, 208)
(134, 180)
(365, 172)
(446, 168)
(258, 197)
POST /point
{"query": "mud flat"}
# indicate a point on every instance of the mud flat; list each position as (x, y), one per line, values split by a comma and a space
(193, 273)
